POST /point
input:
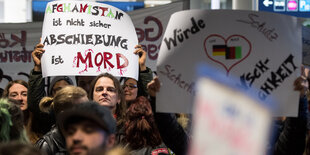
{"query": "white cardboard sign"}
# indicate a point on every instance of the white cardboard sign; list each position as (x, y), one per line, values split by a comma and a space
(88, 38)
(227, 121)
(263, 50)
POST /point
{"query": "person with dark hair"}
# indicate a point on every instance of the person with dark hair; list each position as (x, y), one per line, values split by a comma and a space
(133, 88)
(89, 128)
(141, 133)
(11, 121)
(106, 90)
(43, 121)
(53, 142)
(171, 132)
(18, 148)
(57, 83)
(84, 82)
(291, 135)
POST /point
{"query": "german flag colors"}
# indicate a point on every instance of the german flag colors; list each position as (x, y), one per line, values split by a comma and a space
(229, 52)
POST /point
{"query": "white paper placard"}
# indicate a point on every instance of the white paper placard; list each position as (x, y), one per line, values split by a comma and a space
(262, 49)
(88, 38)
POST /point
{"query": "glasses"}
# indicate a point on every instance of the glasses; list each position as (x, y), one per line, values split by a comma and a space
(130, 87)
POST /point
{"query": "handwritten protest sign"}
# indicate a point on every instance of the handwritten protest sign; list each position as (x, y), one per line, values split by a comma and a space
(227, 121)
(262, 49)
(306, 45)
(150, 24)
(88, 38)
(16, 44)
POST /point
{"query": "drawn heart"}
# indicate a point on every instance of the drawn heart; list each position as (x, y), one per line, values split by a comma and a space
(227, 52)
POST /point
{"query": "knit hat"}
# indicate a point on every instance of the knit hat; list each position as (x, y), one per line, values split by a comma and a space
(92, 111)
(56, 79)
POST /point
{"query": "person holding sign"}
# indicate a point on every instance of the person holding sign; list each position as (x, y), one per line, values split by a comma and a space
(133, 88)
(107, 91)
(113, 97)
(43, 121)
(172, 133)
(292, 138)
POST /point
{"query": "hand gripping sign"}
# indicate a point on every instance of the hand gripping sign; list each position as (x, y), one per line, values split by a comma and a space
(88, 38)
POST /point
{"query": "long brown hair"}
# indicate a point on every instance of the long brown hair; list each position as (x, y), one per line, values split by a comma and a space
(10, 84)
(140, 128)
(6, 93)
(120, 107)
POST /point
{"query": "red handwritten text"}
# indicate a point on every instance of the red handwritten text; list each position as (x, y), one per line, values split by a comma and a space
(100, 59)
(150, 35)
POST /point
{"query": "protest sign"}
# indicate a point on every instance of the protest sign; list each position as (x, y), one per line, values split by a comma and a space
(306, 45)
(227, 120)
(88, 38)
(262, 49)
(150, 24)
(16, 44)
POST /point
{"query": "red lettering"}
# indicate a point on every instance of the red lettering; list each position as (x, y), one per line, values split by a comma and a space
(147, 31)
(151, 51)
(100, 59)
(4, 43)
(103, 10)
(96, 59)
(59, 8)
(16, 56)
(83, 9)
(140, 34)
(21, 40)
(125, 64)
(107, 56)
(84, 61)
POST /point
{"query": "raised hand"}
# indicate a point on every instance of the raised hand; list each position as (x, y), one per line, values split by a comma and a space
(142, 57)
(153, 87)
(36, 56)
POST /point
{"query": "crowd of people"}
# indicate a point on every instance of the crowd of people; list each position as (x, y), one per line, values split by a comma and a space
(107, 115)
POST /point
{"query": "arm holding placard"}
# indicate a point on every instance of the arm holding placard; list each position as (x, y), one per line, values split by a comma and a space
(170, 130)
(145, 73)
(292, 138)
(43, 121)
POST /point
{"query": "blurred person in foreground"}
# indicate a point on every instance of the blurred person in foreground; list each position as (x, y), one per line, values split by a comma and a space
(11, 122)
(18, 148)
(88, 128)
(53, 142)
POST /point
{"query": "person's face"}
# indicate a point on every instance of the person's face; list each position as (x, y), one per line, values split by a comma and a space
(58, 85)
(105, 92)
(19, 92)
(130, 89)
(85, 82)
(84, 137)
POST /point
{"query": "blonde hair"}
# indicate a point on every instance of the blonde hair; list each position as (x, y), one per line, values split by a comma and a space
(63, 99)
(118, 150)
